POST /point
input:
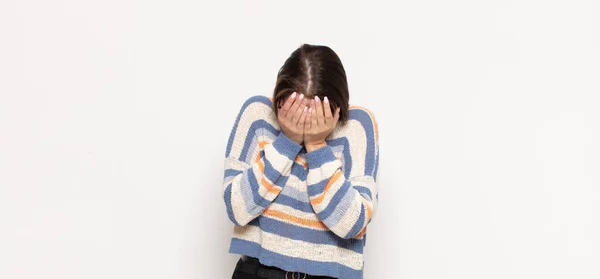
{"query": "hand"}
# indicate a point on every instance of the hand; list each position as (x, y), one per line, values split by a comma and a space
(291, 117)
(320, 122)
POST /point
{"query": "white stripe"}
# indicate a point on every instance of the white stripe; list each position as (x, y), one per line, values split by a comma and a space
(356, 135)
(253, 112)
(278, 161)
(333, 189)
(349, 217)
(369, 182)
(238, 204)
(262, 191)
(326, 170)
(293, 212)
(298, 248)
(295, 189)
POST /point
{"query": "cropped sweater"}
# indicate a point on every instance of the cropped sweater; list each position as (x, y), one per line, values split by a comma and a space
(296, 210)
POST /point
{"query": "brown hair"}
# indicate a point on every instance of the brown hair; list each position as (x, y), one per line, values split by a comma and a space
(314, 70)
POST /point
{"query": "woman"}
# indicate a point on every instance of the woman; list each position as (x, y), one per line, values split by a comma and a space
(300, 173)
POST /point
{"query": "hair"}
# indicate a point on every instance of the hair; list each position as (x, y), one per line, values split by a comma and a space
(313, 70)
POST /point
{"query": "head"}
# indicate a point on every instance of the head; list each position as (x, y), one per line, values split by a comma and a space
(313, 70)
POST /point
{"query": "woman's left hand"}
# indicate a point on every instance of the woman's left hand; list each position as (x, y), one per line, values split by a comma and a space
(319, 123)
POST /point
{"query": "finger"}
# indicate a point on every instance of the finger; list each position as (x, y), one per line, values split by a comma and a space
(313, 114)
(319, 111)
(294, 107)
(327, 111)
(336, 117)
(307, 120)
(288, 103)
(299, 111)
(302, 120)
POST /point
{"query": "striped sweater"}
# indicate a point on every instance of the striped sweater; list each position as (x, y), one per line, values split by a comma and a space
(299, 211)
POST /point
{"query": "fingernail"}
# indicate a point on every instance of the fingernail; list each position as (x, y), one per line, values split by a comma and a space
(293, 95)
(310, 110)
(316, 99)
(326, 100)
(305, 108)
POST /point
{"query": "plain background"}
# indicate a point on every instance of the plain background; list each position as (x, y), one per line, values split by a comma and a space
(114, 117)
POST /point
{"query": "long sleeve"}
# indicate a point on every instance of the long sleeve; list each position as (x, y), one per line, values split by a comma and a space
(258, 162)
(345, 202)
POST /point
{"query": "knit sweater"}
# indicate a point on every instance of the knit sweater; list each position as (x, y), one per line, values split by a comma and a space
(297, 210)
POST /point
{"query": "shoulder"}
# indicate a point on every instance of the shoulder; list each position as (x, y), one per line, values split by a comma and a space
(256, 108)
(257, 101)
(365, 118)
(255, 118)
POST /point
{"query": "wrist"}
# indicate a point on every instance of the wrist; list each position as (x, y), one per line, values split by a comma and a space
(310, 147)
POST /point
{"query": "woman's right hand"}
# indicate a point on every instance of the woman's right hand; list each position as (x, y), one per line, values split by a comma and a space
(291, 117)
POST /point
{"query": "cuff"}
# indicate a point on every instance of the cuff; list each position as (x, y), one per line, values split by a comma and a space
(319, 157)
(286, 146)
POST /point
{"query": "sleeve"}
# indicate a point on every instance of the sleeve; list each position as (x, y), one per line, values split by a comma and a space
(258, 161)
(345, 202)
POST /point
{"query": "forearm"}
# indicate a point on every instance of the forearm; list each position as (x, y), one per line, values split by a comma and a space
(345, 206)
(250, 188)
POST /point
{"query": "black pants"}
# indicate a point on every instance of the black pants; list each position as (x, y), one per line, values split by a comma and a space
(239, 274)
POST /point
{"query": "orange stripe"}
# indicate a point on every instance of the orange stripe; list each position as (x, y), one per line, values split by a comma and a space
(262, 143)
(369, 214)
(299, 160)
(362, 233)
(294, 219)
(375, 126)
(369, 209)
(333, 179)
(270, 187)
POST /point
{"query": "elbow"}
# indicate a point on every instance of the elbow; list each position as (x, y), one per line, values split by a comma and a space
(236, 213)
(238, 222)
(355, 229)
(232, 212)
(229, 206)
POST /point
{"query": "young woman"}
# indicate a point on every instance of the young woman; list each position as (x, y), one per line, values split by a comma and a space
(300, 175)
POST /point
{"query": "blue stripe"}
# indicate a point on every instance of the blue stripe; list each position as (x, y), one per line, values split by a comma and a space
(335, 202)
(317, 188)
(256, 197)
(339, 211)
(227, 198)
(266, 257)
(365, 120)
(376, 165)
(256, 125)
(308, 235)
(251, 100)
(293, 203)
(359, 223)
(299, 171)
(343, 142)
(320, 157)
(231, 172)
(295, 194)
(285, 146)
(271, 173)
(364, 190)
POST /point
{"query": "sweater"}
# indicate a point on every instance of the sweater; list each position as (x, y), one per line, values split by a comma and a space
(296, 210)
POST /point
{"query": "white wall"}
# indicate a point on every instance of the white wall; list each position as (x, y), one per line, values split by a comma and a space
(114, 116)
